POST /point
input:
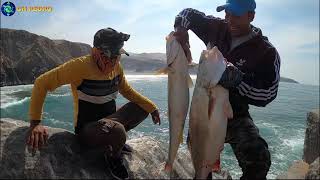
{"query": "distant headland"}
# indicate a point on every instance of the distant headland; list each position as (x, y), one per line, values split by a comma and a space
(25, 55)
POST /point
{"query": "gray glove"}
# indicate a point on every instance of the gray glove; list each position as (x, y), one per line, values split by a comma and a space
(231, 77)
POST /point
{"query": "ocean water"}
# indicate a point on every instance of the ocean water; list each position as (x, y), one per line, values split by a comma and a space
(282, 123)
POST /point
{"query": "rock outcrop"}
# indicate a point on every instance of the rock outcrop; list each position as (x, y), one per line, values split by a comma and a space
(309, 167)
(64, 158)
(312, 140)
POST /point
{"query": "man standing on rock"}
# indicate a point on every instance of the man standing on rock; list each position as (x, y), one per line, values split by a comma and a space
(252, 74)
(95, 81)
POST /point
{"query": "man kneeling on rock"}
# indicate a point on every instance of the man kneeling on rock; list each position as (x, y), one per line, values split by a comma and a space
(95, 81)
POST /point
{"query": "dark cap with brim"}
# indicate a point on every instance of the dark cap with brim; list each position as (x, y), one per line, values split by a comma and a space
(110, 41)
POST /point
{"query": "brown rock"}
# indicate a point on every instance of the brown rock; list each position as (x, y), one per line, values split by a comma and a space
(298, 170)
(314, 170)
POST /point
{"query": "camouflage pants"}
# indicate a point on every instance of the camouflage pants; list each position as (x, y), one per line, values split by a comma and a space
(250, 148)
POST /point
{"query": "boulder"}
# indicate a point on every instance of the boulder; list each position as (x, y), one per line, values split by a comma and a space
(298, 170)
(314, 170)
(63, 157)
(312, 137)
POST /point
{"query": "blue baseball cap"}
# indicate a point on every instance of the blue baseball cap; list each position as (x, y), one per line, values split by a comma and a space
(238, 7)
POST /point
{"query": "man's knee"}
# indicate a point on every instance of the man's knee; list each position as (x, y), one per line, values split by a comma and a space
(115, 137)
(112, 132)
(254, 158)
(119, 133)
(106, 134)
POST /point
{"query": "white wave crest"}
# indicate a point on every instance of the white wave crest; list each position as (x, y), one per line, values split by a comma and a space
(60, 95)
(14, 103)
(133, 134)
(294, 142)
(149, 77)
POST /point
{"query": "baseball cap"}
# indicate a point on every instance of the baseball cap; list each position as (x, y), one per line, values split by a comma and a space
(238, 7)
(110, 42)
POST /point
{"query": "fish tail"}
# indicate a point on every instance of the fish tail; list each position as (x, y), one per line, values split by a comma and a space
(168, 167)
(170, 36)
(217, 165)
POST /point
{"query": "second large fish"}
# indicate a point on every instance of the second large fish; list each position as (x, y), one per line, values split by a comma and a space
(210, 109)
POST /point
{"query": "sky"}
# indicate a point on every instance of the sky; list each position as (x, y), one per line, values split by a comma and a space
(292, 26)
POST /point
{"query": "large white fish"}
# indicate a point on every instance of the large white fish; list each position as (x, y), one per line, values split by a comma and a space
(179, 82)
(210, 109)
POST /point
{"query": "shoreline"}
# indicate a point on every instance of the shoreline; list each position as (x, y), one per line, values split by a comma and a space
(151, 73)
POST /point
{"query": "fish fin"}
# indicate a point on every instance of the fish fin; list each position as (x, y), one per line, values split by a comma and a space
(221, 148)
(168, 167)
(162, 71)
(181, 136)
(228, 110)
(165, 70)
(190, 82)
(217, 165)
(170, 69)
(211, 106)
(192, 65)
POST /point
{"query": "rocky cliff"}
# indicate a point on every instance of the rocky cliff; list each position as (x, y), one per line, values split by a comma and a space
(144, 62)
(64, 158)
(24, 55)
(309, 167)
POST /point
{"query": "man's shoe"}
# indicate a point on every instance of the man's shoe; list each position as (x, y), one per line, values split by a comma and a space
(127, 149)
(116, 167)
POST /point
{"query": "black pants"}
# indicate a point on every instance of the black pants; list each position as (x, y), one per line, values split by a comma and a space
(109, 133)
(250, 148)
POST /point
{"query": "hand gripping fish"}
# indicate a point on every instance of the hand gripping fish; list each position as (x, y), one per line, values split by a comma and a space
(210, 109)
(179, 82)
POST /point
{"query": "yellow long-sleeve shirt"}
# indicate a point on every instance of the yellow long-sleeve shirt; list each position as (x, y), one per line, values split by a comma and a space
(88, 83)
